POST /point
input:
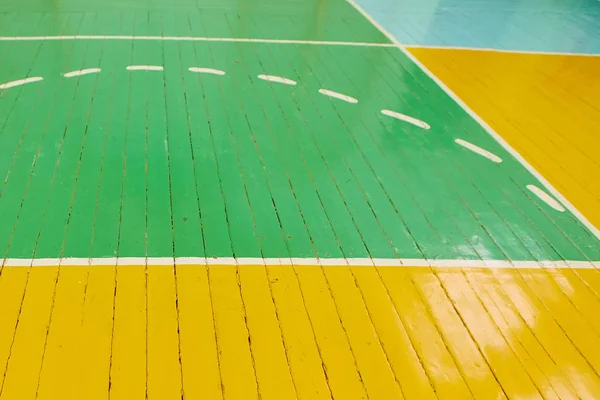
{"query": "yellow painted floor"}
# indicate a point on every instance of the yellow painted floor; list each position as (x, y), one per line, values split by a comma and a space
(310, 332)
(546, 106)
(302, 332)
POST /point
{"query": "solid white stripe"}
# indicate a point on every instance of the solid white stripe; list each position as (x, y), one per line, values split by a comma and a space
(17, 262)
(75, 261)
(250, 261)
(357, 261)
(220, 261)
(109, 261)
(305, 261)
(190, 260)
(160, 261)
(45, 262)
(191, 39)
(367, 262)
(595, 231)
(385, 262)
(131, 261)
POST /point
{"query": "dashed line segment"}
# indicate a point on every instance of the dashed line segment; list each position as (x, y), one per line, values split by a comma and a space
(406, 118)
(20, 82)
(337, 95)
(278, 79)
(478, 150)
(542, 195)
(82, 72)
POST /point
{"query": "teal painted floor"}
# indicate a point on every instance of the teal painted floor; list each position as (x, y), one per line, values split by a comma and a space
(517, 25)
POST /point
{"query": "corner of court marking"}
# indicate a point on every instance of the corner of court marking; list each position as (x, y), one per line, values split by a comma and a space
(595, 231)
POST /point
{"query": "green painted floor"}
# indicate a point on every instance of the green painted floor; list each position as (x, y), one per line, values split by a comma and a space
(176, 163)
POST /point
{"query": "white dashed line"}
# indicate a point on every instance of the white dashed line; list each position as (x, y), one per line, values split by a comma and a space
(82, 72)
(546, 198)
(145, 68)
(20, 82)
(207, 71)
(337, 95)
(478, 150)
(406, 118)
(278, 79)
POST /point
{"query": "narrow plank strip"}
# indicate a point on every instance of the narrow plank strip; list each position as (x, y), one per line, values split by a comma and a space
(22, 374)
(400, 351)
(237, 366)
(272, 367)
(128, 361)
(376, 372)
(93, 363)
(164, 367)
(64, 333)
(12, 290)
(340, 364)
(199, 355)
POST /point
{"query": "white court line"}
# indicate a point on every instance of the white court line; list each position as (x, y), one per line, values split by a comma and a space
(595, 231)
(20, 82)
(337, 95)
(206, 70)
(546, 198)
(406, 118)
(82, 72)
(230, 261)
(278, 79)
(478, 150)
(190, 39)
(278, 41)
(144, 68)
(545, 53)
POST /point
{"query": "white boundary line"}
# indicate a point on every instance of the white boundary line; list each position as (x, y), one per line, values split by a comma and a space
(283, 41)
(534, 52)
(188, 39)
(333, 262)
(595, 231)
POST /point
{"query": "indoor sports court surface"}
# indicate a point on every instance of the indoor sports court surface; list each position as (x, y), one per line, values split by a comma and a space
(299, 199)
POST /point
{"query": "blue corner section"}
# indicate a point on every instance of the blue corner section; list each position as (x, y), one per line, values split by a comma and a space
(571, 26)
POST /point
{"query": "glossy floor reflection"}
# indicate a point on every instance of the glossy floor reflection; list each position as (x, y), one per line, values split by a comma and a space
(306, 332)
(509, 25)
(242, 200)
